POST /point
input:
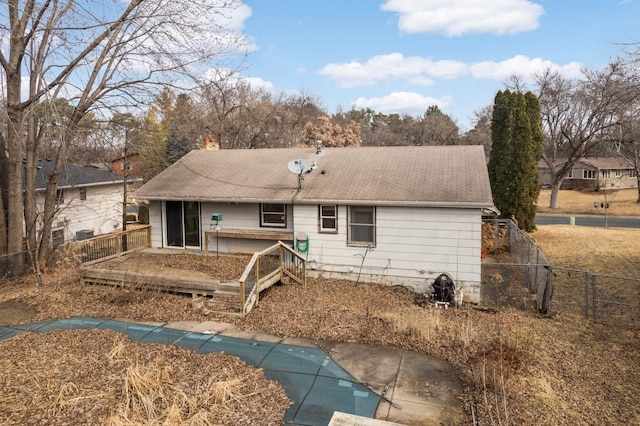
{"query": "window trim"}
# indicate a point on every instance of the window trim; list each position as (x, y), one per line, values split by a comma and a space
(265, 224)
(59, 196)
(321, 217)
(350, 224)
(83, 194)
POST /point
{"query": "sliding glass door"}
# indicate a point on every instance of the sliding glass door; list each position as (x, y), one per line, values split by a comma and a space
(183, 223)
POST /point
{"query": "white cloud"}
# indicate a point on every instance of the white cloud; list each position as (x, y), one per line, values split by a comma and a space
(522, 66)
(458, 17)
(258, 83)
(422, 71)
(392, 66)
(402, 103)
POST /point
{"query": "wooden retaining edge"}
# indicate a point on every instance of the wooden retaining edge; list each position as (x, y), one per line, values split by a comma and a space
(149, 281)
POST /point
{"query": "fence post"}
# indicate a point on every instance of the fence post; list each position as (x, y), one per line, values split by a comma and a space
(594, 315)
(548, 291)
(586, 295)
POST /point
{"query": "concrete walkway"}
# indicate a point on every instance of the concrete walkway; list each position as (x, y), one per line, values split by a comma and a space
(329, 383)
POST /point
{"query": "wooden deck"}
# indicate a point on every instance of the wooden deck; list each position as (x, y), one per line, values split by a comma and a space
(142, 270)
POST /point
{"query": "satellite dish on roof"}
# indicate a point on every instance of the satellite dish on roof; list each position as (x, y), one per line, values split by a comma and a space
(299, 166)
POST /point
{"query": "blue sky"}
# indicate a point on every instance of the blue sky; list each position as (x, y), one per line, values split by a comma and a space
(405, 55)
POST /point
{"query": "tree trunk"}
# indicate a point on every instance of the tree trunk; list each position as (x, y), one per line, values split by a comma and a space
(15, 181)
(555, 191)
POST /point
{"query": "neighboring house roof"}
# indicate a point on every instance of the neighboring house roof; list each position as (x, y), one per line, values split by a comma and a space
(425, 175)
(601, 163)
(74, 175)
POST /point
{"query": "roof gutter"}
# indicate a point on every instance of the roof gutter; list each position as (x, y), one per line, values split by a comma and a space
(435, 204)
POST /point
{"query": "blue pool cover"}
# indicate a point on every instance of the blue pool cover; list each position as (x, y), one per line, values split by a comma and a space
(315, 384)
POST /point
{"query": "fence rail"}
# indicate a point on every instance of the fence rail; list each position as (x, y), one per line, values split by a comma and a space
(528, 281)
(503, 234)
(108, 246)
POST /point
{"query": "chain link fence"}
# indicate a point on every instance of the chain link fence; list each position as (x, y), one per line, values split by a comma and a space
(515, 273)
(9, 264)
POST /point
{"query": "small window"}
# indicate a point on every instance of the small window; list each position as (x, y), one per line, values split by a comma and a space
(606, 174)
(570, 174)
(362, 226)
(328, 218)
(632, 173)
(618, 172)
(588, 174)
(59, 196)
(83, 194)
(57, 237)
(273, 215)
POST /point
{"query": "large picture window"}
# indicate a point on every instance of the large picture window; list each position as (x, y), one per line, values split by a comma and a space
(328, 218)
(273, 215)
(362, 226)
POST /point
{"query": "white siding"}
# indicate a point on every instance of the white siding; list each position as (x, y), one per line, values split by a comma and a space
(413, 246)
(101, 212)
(234, 216)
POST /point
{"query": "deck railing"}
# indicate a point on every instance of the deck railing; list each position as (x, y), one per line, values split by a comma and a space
(266, 268)
(112, 245)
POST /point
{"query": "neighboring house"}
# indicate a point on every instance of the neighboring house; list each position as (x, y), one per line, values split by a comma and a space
(88, 201)
(398, 215)
(131, 163)
(595, 173)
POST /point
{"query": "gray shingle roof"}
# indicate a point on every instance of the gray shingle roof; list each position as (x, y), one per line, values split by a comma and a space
(73, 175)
(426, 175)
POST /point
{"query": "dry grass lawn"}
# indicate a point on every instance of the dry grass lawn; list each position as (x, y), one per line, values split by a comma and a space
(621, 203)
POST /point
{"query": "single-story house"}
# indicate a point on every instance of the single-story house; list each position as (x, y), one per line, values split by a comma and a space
(88, 200)
(594, 173)
(398, 215)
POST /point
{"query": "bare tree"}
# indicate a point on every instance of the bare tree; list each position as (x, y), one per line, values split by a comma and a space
(99, 56)
(481, 132)
(579, 115)
(438, 128)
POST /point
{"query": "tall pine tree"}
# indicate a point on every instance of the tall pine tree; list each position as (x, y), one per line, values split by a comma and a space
(517, 138)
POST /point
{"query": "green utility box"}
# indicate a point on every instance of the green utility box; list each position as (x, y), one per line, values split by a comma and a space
(216, 216)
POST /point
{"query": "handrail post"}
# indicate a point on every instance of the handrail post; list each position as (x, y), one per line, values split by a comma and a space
(243, 305)
(256, 287)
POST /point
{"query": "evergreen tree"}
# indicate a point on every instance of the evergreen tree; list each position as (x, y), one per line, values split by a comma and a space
(517, 138)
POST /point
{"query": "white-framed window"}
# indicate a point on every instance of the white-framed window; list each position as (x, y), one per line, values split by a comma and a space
(618, 172)
(632, 173)
(606, 174)
(361, 228)
(273, 215)
(570, 174)
(59, 196)
(588, 174)
(83, 194)
(328, 218)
